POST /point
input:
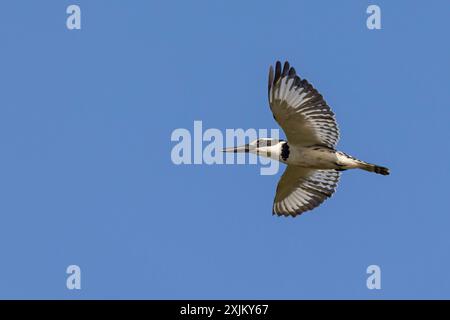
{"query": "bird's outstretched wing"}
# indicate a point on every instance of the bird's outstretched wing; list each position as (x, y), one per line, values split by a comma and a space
(302, 189)
(300, 109)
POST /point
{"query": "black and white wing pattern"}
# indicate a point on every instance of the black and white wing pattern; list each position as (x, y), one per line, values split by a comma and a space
(300, 109)
(302, 189)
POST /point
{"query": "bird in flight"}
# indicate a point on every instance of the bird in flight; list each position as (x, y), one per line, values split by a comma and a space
(313, 163)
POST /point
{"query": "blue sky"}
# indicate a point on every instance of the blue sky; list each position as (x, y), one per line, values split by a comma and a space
(86, 176)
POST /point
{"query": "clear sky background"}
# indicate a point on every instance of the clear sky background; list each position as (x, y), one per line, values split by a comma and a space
(86, 176)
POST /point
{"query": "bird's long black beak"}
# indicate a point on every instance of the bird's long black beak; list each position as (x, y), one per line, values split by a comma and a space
(245, 148)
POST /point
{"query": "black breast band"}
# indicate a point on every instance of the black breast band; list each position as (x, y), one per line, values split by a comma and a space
(284, 151)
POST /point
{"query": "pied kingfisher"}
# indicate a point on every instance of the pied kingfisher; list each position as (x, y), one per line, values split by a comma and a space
(313, 163)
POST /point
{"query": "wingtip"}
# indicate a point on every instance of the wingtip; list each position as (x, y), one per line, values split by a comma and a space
(271, 77)
(292, 71)
(286, 68)
(287, 214)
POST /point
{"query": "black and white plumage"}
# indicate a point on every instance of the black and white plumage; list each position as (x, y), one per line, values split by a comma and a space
(301, 189)
(312, 133)
(300, 110)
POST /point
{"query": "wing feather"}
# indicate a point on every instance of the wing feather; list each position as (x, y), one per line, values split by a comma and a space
(300, 109)
(302, 189)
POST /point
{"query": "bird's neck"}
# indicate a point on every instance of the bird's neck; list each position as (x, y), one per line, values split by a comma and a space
(279, 152)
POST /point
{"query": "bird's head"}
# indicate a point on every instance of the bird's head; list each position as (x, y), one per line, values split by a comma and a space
(263, 146)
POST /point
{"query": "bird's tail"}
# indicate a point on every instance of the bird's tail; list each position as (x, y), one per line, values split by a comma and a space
(374, 168)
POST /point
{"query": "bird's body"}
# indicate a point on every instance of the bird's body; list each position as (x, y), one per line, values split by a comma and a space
(314, 157)
(313, 163)
(319, 157)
